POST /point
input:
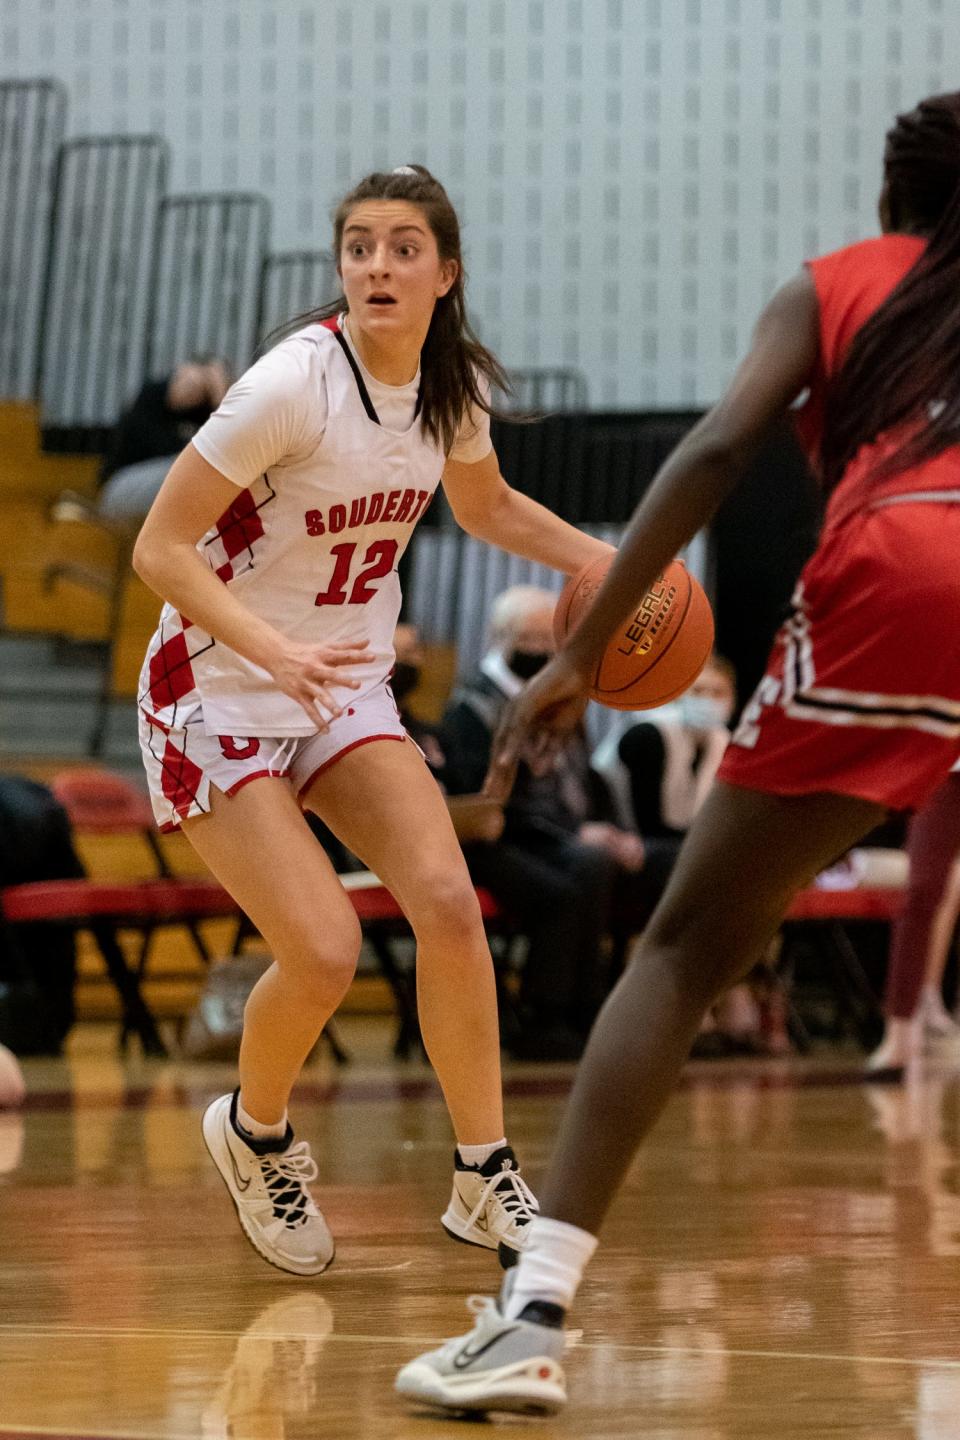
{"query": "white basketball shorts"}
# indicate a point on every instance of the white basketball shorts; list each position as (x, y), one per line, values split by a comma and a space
(182, 764)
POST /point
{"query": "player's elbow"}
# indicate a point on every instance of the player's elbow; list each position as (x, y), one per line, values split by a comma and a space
(146, 558)
(489, 517)
(721, 448)
(476, 520)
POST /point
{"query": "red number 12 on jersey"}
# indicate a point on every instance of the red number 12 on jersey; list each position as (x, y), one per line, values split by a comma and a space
(377, 562)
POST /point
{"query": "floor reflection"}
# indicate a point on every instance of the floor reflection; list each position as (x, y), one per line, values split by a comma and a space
(273, 1378)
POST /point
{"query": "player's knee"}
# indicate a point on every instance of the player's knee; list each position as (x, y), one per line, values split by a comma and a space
(702, 949)
(321, 961)
(447, 903)
(323, 978)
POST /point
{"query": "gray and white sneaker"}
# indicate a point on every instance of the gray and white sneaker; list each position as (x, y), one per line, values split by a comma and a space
(269, 1189)
(508, 1365)
(491, 1205)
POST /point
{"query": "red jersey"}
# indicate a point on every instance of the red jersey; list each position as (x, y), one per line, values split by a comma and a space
(862, 691)
(851, 284)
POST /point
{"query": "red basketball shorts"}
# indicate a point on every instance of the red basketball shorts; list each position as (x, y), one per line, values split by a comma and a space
(862, 691)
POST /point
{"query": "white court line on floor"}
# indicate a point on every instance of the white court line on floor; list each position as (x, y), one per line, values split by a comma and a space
(165, 1333)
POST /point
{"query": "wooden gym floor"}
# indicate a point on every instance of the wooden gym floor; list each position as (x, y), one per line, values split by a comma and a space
(785, 1260)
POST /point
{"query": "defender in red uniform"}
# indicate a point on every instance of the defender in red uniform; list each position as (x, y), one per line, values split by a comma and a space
(862, 694)
(859, 711)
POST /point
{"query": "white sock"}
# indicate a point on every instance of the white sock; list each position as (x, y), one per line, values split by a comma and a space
(551, 1264)
(479, 1154)
(256, 1129)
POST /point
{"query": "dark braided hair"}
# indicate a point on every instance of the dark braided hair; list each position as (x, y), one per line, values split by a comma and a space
(452, 357)
(903, 365)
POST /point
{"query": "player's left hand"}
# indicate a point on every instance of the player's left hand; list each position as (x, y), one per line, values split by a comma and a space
(545, 712)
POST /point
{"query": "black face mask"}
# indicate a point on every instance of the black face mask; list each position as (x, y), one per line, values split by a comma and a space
(404, 680)
(525, 663)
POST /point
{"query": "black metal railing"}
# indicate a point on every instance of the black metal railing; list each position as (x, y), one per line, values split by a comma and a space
(93, 327)
(588, 467)
(205, 290)
(292, 283)
(32, 118)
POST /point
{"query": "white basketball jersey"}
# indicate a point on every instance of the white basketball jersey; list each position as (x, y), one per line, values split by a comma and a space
(327, 504)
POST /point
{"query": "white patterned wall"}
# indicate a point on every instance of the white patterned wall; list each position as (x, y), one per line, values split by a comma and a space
(634, 176)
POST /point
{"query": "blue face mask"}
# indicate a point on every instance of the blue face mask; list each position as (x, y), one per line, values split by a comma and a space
(702, 712)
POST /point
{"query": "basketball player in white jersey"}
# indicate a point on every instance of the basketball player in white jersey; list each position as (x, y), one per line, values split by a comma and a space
(278, 532)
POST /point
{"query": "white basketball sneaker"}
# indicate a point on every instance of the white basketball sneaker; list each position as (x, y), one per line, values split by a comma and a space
(269, 1188)
(491, 1205)
(500, 1365)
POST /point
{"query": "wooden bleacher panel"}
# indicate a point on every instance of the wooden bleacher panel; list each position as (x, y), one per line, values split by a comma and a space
(30, 544)
(138, 622)
(29, 480)
(25, 471)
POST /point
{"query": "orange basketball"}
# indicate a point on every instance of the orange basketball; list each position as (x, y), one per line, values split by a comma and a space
(659, 651)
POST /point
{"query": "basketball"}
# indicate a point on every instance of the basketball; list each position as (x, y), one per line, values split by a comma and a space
(659, 651)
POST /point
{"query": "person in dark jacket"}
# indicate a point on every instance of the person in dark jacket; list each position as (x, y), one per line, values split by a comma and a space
(557, 867)
(37, 961)
(152, 431)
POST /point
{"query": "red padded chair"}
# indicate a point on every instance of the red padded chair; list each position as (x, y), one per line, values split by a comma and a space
(103, 908)
(829, 913)
(101, 802)
(98, 801)
(383, 921)
(840, 906)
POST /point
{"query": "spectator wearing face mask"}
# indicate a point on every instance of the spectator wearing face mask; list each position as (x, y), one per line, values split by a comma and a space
(671, 758)
(562, 858)
(662, 769)
(474, 817)
(405, 677)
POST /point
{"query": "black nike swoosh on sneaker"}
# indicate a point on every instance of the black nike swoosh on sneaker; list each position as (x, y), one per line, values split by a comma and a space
(466, 1355)
(241, 1184)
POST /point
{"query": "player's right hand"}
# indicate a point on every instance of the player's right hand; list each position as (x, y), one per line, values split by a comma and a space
(310, 673)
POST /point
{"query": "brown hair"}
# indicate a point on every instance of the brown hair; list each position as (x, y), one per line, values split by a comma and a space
(453, 362)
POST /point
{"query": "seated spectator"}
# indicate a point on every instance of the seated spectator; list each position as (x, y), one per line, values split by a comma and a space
(664, 766)
(151, 433)
(659, 769)
(404, 679)
(37, 961)
(672, 756)
(561, 856)
(474, 816)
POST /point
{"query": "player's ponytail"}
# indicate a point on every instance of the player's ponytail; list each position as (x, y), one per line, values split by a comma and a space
(902, 370)
(456, 370)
